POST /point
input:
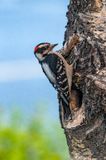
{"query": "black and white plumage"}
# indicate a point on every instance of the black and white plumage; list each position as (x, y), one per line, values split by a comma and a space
(54, 68)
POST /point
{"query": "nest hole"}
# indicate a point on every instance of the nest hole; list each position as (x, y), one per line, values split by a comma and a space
(77, 96)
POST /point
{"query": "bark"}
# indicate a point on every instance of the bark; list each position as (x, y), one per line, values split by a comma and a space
(87, 19)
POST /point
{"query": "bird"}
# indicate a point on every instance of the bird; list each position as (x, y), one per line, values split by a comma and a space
(53, 66)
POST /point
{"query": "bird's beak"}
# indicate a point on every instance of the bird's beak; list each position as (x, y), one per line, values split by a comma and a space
(53, 45)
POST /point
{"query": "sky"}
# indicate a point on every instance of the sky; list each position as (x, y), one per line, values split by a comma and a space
(24, 24)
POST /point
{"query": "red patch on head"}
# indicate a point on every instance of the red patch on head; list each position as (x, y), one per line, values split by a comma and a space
(35, 49)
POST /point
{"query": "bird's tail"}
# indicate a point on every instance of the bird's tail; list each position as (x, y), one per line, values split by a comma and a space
(67, 111)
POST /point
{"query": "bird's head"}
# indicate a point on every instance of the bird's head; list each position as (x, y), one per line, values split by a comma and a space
(43, 49)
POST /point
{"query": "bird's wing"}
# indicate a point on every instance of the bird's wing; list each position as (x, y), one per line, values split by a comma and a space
(62, 81)
(54, 68)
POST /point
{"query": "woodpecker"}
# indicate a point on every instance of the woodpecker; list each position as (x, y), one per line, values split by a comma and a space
(54, 68)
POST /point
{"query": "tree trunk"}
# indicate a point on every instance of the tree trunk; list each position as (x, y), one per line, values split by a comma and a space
(87, 19)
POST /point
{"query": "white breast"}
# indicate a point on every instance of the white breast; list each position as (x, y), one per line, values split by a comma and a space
(49, 73)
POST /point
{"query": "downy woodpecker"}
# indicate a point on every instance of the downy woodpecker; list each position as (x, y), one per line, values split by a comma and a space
(54, 68)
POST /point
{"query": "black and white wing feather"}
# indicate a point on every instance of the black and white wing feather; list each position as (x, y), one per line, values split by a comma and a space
(54, 69)
(62, 81)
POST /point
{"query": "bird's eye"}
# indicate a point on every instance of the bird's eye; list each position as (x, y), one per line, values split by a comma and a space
(41, 50)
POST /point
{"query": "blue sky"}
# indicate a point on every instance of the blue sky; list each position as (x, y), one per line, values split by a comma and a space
(23, 24)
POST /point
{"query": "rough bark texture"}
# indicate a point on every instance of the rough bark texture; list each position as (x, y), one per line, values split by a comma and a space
(87, 19)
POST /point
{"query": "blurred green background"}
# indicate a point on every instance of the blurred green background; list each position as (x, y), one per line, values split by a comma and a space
(38, 138)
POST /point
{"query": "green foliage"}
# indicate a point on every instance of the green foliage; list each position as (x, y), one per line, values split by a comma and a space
(33, 140)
